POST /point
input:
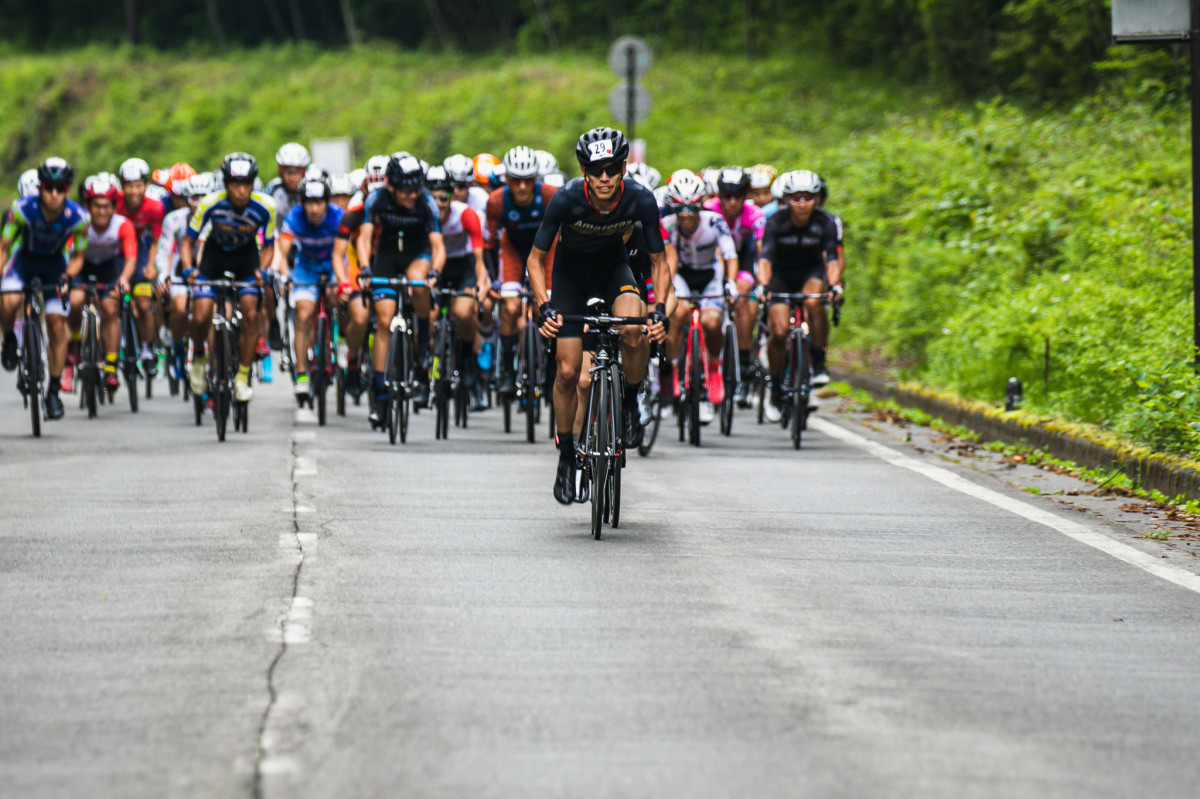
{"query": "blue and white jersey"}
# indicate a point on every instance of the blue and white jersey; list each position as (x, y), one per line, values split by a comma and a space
(314, 243)
(27, 226)
(234, 228)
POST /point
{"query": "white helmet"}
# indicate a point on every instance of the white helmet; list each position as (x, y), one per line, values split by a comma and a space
(460, 167)
(679, 172)
(199, 184)
(555, 179)
(653, 178)
(293, 154)
(547, 163)
(710, 175)
(499, 174)
(521, 162)
(375, 172)
(314, 172)
(762, 176)
(799, 180)
(356, 176)
(342, 185)
(27, 184)
(134, 169)
(685, 190)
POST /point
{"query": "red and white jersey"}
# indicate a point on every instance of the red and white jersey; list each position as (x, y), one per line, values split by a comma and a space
(118, 240)
(699, 250)
(461, 231)
(148, 219)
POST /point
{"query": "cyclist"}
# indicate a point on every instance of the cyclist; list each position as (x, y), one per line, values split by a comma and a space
(705, 261)
(746, 224)
(461, 170)
(170, 272)
(400, 237)
(311, 227)
(236, 215)
(463, 238)
(50, 234)
(591, 216)
(146, 214)
(514, 215)
(761, 178)
(341, 189)
(799, 255)
(111, 259)
(356, 315)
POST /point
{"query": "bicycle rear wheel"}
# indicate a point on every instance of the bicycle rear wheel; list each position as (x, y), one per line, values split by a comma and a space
(88, 358)
(527, 373)
(222, 380)
(598, 444)
(393, 378)
(31, 343)
(616, 494)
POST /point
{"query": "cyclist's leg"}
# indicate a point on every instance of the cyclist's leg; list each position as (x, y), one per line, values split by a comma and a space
(818, 322)
(418, 269)
(584, 388)
(304, 300)
(248, 302)
(385, 301)
(679, 320)
(110, 328)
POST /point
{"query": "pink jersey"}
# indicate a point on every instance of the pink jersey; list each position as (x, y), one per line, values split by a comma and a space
(750, 220)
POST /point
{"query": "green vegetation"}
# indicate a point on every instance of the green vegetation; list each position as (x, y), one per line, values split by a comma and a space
(976, 232)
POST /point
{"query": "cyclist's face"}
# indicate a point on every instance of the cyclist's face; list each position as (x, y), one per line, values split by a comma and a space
(731, 204)
(801, 205)
(101, 209)
(522, 190)
(603, 183)
(406, 196)
(53, 196)
(341, 200)
(462, 191)
(760, 197)
(291, 177)
(134, 191)
(688, 222)
(314, 210)
(238, 191)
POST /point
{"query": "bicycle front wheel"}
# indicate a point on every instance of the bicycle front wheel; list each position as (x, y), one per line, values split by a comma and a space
(696, 387)
(800, 387)
(320, 367)
(729, 374)
(31, 342)
(598, 445)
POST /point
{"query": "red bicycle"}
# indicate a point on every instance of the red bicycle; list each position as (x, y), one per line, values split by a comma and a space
(693, 368)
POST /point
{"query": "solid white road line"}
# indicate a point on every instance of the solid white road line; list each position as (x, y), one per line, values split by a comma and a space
(1081, 533)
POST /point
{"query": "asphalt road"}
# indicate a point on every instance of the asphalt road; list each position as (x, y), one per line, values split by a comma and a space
(305, 611)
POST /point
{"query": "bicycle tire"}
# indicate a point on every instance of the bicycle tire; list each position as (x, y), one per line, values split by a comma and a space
(760, 391)
(799, 387)
(729, 375)
(598, 444)
(616, 495)
(696, 389)
(652, 434)
(528, 388)
(392, 372)
(241, 417)
(221, 391)
(87, 363)
(198, 409)
(340, 391)
(319, 369)
(31, 357)
(506, 407)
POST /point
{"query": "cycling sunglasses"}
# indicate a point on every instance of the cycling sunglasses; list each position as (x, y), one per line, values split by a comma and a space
(690, 208)
(56, 188)
(801, 198)
(612, 170)
(442, 197)
(727, 196)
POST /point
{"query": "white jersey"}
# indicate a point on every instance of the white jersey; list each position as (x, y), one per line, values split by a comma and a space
(699, 251)
(456, 237)
(174, 228)
(106, 245)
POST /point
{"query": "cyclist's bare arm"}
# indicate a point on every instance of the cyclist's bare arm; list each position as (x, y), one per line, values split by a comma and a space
(764, 271)
(536, 268)
(186, 249)
(266, 256)
(672, 254)
(340, 246)
(437, 254)
(365, 234)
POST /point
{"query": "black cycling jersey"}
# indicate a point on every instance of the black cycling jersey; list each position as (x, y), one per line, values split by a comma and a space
(401, 234)
(582, 229)
(800, 252)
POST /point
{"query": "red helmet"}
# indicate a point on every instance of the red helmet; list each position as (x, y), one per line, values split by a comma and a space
(179, 175)
(98, 186)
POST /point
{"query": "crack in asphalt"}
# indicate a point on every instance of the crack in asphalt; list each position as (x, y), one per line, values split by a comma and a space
(272, 691)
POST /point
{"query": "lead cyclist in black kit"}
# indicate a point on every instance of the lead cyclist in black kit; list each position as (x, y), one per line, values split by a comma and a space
(590, 216)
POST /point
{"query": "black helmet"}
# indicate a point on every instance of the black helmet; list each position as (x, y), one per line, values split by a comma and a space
(55, 170)
(239, 166)
(404, 170)
(600, 145)
(314, 188)
(733, 180)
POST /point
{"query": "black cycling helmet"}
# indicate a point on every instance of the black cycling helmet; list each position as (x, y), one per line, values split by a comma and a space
(733, 180)
(600, 145)
(239, 166)
(314, 188)
(823, 191)
(55, 170)
(404, 170)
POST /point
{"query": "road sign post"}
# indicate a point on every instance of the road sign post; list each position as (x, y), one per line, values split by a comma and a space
(629, 57)
(1135, 21)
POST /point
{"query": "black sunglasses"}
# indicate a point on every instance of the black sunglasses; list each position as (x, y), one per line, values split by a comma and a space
(56, 188)
(613, 169)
